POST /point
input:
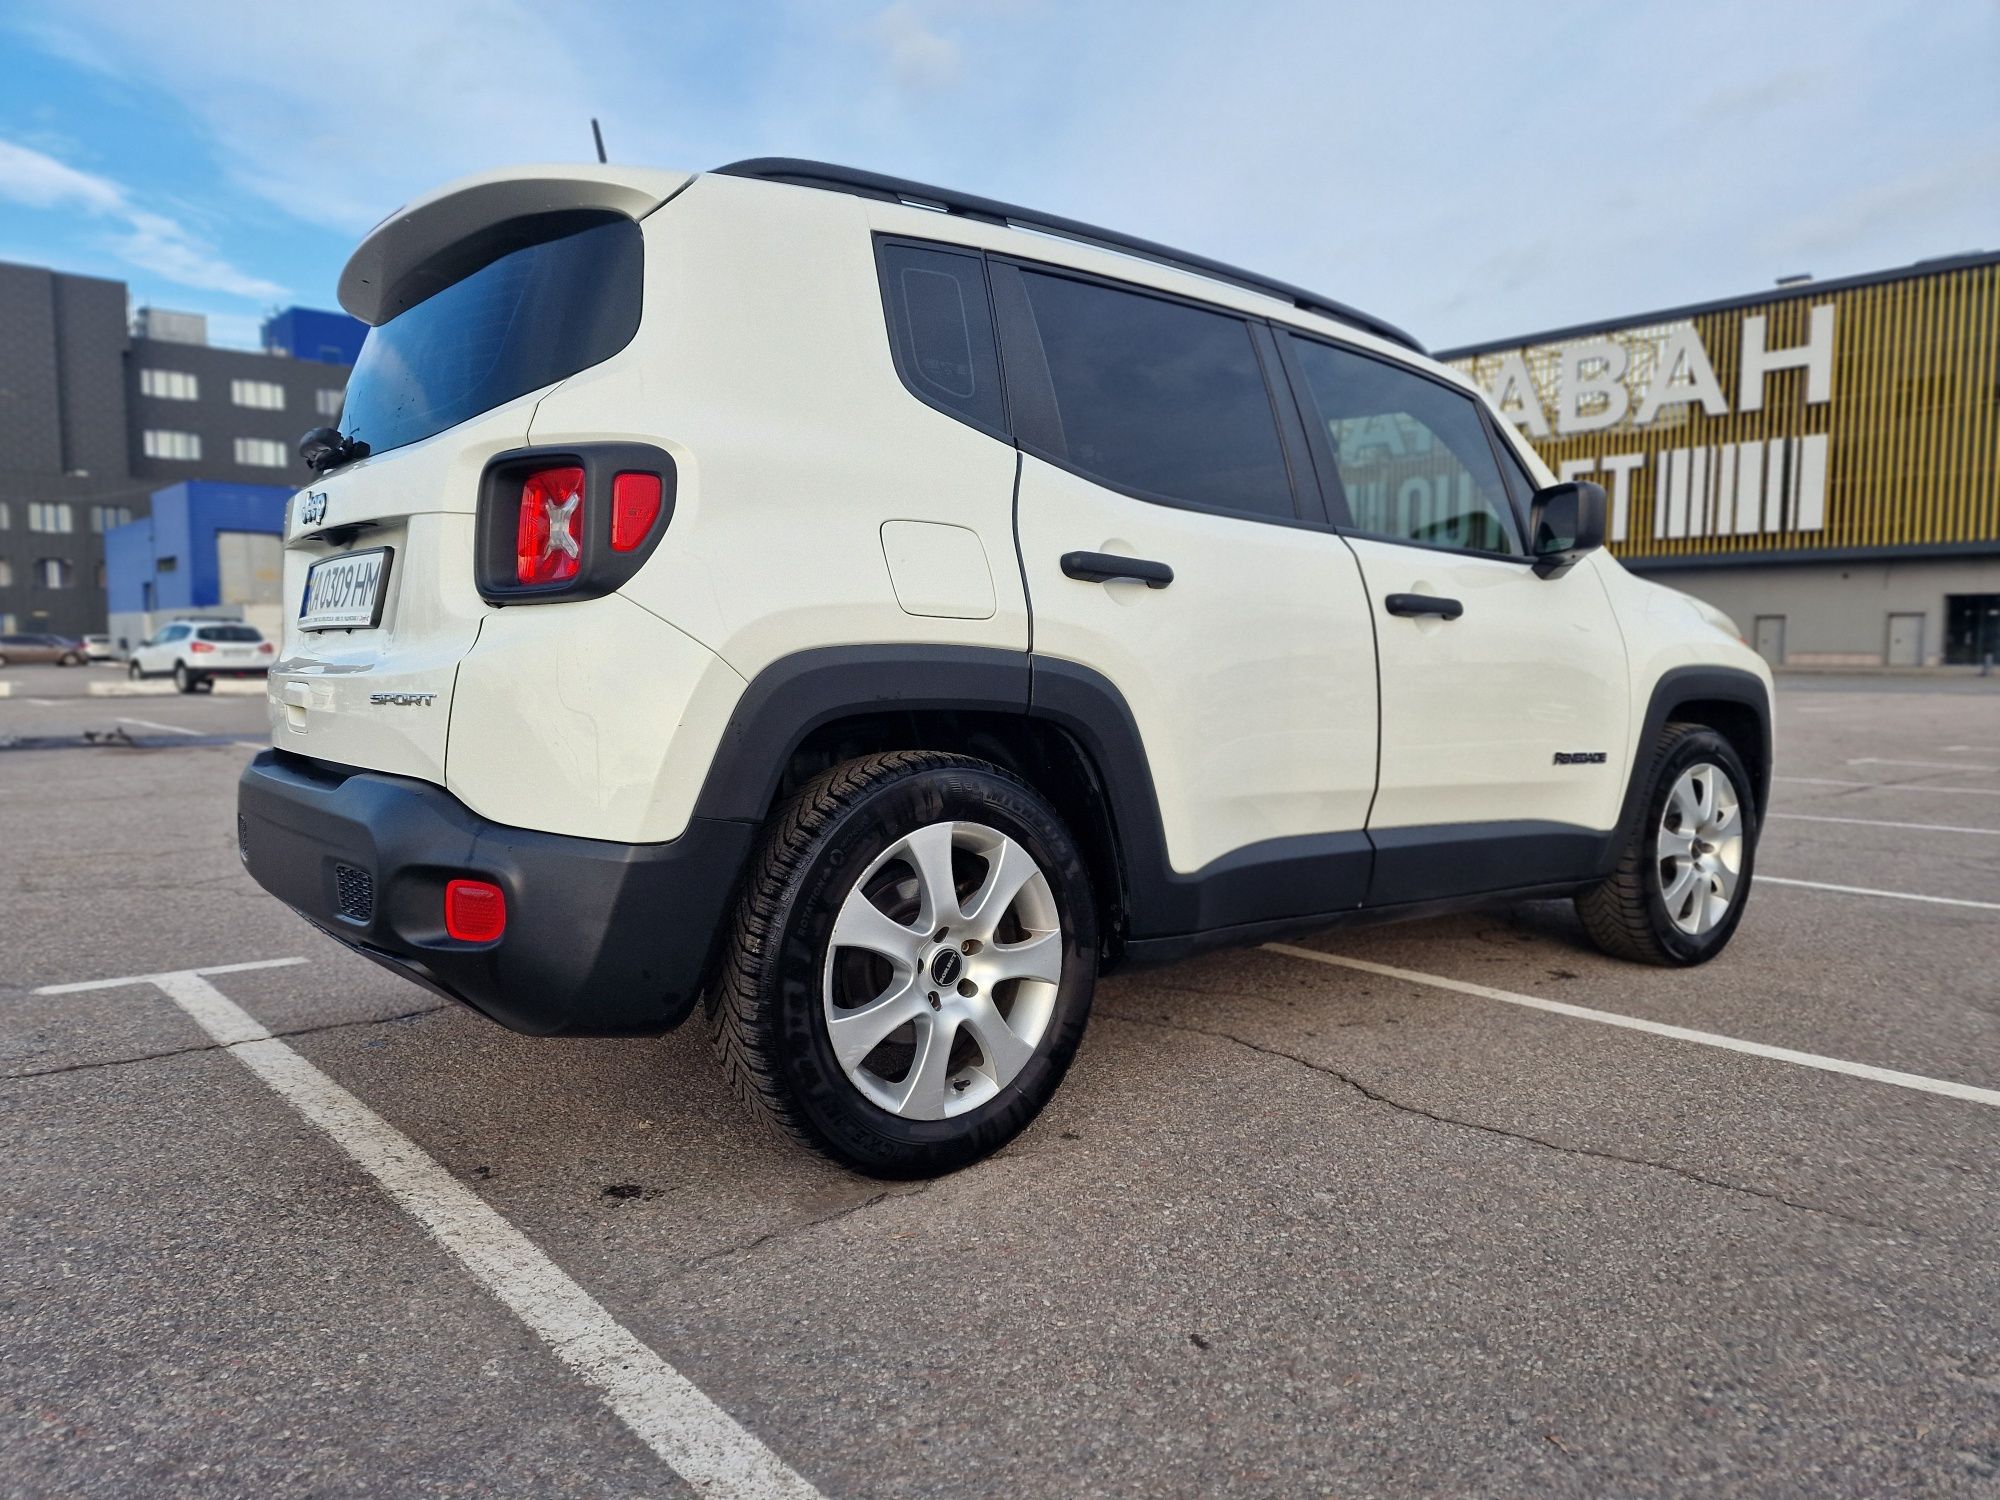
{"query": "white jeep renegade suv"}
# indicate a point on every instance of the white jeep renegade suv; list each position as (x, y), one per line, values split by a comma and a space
(871, 612)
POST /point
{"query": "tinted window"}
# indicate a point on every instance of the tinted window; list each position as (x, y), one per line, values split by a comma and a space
(523, 321)
(242, 634)
(941, 326)
(1160, 397)
(1413, 455)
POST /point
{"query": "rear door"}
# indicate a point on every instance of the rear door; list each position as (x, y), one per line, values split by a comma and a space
(1152, 436)
(1504, 694)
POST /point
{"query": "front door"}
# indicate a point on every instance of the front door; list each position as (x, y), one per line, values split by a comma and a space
(1906, 640)
(1151, 436)
(1505, 697)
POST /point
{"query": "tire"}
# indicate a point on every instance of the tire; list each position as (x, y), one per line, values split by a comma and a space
(3, 658)
(1646, 911)
(184, 680)
(132, 671)
(849, 849)
(71, 660)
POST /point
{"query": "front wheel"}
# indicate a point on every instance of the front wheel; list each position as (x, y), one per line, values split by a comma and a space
(1679, 889)
(132, 671)
(912, 965)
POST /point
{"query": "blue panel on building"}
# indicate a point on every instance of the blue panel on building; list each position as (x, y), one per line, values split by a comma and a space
(167, 560)
(310, 333)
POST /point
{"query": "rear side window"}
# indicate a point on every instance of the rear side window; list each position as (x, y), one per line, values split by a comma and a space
(238, 634)
(941, 326)
(1413, 455)
(527, 319)
(1159, 397)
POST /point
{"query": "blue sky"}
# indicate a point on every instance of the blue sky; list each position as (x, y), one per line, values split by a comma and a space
(1467, 170)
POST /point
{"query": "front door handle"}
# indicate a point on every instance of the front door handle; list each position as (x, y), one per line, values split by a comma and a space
(1411, 605)
(1103, 567)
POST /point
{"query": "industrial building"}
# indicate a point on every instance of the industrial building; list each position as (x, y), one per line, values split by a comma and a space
(205, 549)
(101, 406)
(1821, 461)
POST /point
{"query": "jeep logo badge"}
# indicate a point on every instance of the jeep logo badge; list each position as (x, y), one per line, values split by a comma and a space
(313, 511)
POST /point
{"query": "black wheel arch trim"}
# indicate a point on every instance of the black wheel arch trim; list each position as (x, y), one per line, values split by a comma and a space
(1674, 690)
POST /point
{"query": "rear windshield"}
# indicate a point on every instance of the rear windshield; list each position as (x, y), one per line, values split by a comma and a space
(228, 633)
(523, 321)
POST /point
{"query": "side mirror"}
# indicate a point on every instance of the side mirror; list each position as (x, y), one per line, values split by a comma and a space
(1565, 521)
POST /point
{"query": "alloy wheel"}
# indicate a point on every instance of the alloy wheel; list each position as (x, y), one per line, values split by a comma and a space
(1700, 848)
(942, 970)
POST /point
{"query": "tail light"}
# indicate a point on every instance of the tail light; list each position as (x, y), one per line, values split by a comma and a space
(548, 530)
(197, 647)
(264, 648)
(635, 506)
(475, 911)
(570, 523)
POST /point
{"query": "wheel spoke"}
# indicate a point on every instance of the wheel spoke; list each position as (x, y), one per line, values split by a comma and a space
(1703, 781)
(1005, 1053)
(856, 1033)
(1676, 843)
(1675, 893)
(921, 1096)
(1038, 957)
(1725, 881)
(1008, 869)
(929, 852)
(863, 924)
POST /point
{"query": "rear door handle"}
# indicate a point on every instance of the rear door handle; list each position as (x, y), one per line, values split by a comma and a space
(1103, 567)
(1410, 605)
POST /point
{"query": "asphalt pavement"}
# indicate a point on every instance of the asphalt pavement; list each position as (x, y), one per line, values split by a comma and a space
(1488, 1214)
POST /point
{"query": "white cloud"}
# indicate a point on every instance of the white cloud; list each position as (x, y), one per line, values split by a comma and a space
(150, 241)
(920, 58)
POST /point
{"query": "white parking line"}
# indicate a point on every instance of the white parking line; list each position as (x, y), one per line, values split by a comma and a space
(1927, 765)
(702, 1442)
(1879, 823)
(1916, 1081)
(1894, 786)
(1862, 890)
(149, 724)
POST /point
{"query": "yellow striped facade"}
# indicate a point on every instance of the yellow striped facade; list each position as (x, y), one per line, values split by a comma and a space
(1903, 454)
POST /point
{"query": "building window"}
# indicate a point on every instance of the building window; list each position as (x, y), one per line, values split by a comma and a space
(104, 517)
(182, 445)
(169, 385)
(261, 453)
(328, 402)
(55, 573)
(6, 574)
(51, 516)
(264, 395)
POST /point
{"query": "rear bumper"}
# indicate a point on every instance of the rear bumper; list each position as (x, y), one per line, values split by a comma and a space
(602, 939)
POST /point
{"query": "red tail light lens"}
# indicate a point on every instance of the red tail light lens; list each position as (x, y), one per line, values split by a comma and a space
(635, 506)
(475, 911)
(199, 646)
(264, 648)
(548, 537)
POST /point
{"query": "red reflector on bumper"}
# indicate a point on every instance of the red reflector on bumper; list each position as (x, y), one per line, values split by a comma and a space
(475, 911)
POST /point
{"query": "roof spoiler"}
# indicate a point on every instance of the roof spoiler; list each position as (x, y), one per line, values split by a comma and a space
(428, 244)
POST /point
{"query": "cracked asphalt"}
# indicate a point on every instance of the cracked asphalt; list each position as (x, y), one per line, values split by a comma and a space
(1288, 1229)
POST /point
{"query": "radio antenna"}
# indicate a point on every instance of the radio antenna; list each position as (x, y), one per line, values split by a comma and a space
(598, 135)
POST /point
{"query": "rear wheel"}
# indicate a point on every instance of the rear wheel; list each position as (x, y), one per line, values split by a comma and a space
(1678, 892)
(184, 680)
(71, 660)
(912, 965)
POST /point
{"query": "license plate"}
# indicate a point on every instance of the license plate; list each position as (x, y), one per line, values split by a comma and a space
(346, 592)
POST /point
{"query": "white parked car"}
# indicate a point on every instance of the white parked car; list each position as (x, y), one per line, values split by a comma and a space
(868, 613)
(98, 648)
(196, 652)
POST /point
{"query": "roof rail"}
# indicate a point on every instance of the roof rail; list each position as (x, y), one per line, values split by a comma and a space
(820, 174)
